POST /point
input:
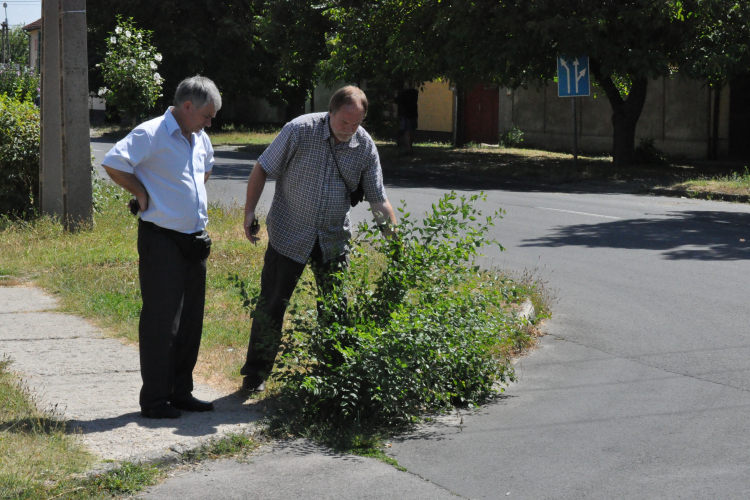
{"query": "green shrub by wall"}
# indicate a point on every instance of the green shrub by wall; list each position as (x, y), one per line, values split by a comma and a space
(20, 83)
(19, 156)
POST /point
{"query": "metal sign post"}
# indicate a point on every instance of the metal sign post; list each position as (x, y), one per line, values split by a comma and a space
(573, 85)
(575, 131)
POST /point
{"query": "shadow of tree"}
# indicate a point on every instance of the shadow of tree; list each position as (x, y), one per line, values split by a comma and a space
(692, 235)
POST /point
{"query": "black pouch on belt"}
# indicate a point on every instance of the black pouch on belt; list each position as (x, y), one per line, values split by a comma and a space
(200, 246)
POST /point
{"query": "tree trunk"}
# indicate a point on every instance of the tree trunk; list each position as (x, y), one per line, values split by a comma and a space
(625, 114)
(295, 104)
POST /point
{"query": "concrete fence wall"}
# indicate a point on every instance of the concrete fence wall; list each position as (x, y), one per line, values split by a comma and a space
(678, 114)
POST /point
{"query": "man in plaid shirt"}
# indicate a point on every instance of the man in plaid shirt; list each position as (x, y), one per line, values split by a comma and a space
(317, 160)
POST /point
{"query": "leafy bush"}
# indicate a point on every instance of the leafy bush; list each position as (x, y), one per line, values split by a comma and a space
(19, 156)
(646, 153)
(23, 84)
(415, 326)
(512, 138)
(129, 69)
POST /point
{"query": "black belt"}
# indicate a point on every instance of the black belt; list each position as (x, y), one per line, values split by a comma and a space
(193, 246)
(159, 229)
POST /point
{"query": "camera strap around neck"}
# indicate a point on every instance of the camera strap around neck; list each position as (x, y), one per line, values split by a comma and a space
(333, 153)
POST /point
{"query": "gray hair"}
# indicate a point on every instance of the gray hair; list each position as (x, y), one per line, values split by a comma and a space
(199, 90)
(346, 96)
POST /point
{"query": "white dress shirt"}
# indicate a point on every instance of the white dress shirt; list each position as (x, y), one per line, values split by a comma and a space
(171, 170)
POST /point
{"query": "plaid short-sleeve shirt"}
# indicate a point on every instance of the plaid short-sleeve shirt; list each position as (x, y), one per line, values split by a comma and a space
(311, 199)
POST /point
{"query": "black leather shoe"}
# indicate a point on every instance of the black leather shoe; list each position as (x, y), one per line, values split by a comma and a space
(160, 411)
(190, 403)
(253, 383)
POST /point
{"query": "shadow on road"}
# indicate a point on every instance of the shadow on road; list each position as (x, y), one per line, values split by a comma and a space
(691, 235)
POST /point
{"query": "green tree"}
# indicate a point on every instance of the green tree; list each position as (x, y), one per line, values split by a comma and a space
(516, 42)
(293, 32)
(19, 45)
(129, 69)
(215, 39)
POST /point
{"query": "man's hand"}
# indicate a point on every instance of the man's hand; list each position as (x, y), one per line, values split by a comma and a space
(142, 200)
(384, 217)
(255, 184)
(252, 227)
(131, 184)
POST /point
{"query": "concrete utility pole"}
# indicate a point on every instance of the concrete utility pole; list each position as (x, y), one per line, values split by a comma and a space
(65, 170)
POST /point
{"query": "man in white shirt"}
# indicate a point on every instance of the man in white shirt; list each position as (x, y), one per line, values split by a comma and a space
(165, 163)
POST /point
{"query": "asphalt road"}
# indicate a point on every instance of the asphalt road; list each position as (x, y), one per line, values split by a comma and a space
(641, 388)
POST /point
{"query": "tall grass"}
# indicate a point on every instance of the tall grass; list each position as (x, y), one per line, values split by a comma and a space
(734, 183)
(34, 446)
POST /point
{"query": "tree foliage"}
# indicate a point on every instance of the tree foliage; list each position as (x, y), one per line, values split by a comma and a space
(515, 43)
(293, 32)
(249, 48)
(210, 38)
(19, 45)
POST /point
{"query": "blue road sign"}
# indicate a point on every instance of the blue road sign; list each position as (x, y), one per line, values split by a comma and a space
(573, 76)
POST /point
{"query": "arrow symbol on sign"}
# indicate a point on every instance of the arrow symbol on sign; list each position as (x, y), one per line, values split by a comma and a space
(578, 75)
(565, 65)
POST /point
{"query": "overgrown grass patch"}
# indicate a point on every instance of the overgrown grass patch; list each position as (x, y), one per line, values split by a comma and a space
(733, 183)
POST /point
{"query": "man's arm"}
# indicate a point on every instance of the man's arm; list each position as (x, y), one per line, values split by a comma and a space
(206, 176)
(255, 185)
(131, 184)
(384, 217)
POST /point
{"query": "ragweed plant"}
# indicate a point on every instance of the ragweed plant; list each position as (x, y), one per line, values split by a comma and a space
(414, 326)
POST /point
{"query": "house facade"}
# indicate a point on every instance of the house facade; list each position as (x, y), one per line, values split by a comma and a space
(34, 32)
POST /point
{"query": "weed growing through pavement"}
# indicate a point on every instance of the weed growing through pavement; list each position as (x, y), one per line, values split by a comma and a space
(415, 326)
(231, 445)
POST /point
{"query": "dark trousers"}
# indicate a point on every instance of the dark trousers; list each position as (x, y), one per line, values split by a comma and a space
(277, 283)
(169, 332)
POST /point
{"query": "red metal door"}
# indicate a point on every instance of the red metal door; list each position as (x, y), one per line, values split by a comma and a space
(481, 115)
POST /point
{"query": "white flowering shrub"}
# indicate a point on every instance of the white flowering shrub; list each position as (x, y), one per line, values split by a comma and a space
(129, 70)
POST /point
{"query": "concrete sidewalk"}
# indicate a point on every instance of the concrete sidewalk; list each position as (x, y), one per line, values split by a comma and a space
(94, 381)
